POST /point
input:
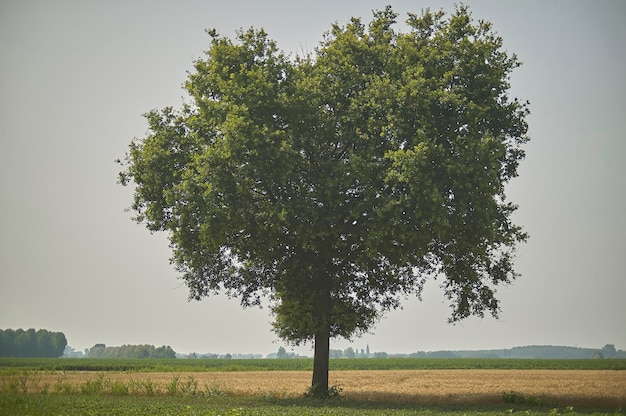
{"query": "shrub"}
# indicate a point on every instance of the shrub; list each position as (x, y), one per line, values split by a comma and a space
(513, 397)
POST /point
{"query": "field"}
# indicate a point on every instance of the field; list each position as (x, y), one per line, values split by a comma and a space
(272, 387)
(180, 365)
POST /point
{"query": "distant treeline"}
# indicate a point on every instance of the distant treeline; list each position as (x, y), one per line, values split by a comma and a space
(131, 351)
(352, 353)
(532, 351)
(31, 343)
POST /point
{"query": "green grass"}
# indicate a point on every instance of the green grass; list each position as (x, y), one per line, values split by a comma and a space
(33, 404)
(203, 365)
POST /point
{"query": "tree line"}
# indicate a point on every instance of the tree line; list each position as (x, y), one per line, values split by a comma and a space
(31, 343)
(131, 351)
(554, 352)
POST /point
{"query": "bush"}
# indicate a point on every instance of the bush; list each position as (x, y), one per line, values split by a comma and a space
(513, 397)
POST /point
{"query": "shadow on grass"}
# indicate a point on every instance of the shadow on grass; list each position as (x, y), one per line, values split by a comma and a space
(467, 402)
(80, 404)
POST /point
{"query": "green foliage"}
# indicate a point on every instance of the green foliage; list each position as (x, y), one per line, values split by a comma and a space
(182, 387)
(322, 392)
(131, 351)
(31, 343)
(145, 386)
(16, 366)
(95, 386)
(35, 405)
(62, 386)
(339, 182)
(21, 382)
(513, 397)
(172, 386)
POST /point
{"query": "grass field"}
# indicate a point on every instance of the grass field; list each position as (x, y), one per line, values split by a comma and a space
(179, 365)
(384, 387)
(229, 406)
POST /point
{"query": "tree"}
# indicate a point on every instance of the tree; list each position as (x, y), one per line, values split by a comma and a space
(44, 343)
(164, 352)
(26, 343)
(337, 183)
(282, 353)
(97, 351)
(131, 351)
(31, 343)
(349, 353)
(59, 342)
(609, 351)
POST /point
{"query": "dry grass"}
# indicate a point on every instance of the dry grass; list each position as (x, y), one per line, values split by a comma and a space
(578, 388)
(555, 387)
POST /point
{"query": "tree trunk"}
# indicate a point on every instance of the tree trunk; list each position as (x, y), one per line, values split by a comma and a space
(319, 384)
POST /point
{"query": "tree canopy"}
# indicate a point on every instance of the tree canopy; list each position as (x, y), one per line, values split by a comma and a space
(31, 343)
(338, 182)
(131, 351)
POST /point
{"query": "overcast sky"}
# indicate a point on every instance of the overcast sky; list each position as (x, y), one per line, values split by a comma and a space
(75, 77)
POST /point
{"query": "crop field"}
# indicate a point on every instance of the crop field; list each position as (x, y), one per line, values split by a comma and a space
(578, 388)
(305, 364)
(263, 387)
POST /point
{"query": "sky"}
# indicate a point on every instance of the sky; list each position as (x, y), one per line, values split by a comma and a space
(76, 77)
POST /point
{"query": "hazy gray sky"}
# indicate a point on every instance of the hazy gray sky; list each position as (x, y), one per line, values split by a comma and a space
(75, 77)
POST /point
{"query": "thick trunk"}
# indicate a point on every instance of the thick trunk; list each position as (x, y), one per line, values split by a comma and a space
(319, 384)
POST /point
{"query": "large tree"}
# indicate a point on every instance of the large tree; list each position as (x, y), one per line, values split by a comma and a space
(338, 182)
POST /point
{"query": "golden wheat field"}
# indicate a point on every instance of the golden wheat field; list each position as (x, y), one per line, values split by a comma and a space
(580, 388)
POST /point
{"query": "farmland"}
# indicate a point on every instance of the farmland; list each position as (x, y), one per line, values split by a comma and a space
(203, 365)
(385, 386)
